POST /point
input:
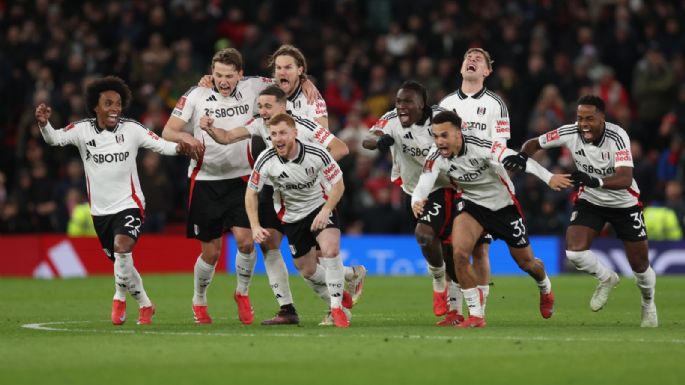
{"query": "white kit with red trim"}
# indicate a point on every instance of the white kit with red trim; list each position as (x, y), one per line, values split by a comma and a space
(109, 159)
(220, 161)
(599, 160)
(298, 183)
(476, 172)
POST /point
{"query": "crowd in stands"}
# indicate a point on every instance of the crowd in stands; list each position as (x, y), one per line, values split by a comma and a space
(547, 54)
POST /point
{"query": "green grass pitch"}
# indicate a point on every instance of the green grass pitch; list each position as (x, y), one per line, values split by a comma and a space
(392, 339)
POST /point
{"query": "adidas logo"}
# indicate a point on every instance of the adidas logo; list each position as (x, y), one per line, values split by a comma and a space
(408, 135)
(521, 242)
(283, 175)
(91, 143)
(211, 98)
(580, 152)
(643, 233)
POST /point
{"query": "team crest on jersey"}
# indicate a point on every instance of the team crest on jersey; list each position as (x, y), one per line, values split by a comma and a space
(605, 155)
(480, 111)
(120, 138)
(309, 170)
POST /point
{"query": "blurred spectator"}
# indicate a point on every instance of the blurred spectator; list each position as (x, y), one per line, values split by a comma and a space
(80, 221)
(653, 87)
(674, 200)
(662, 224)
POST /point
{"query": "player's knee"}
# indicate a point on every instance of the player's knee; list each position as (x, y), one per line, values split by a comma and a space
(245, 246)
(461, 257)
(423, 238)
(328, 251)
(123, 245)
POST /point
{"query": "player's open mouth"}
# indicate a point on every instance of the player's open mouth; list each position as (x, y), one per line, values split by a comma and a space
(284, 81)
(404, 117)
(470, 68)
(586, 134)
(444, 151)
(112, 119)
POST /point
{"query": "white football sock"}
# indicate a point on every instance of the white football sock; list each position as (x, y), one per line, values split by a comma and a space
(138, 291)
(545, 285)
(472, 297)
(277, 273)
(456, 297)
(335, 279)
(438, 274)
(204, 272)
(244, 267)
(646, 282)
(126, 276)
(588, 262)
(318, 283)
(119, 290)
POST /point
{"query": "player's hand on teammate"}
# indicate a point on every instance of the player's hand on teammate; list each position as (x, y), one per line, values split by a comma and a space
(260, 234)
(560, 181)
(417, 208)
(321, 220)
(43, 114)
(384, 142)
(310, 91)
(582, 179)
(206, 81)
(515, 162)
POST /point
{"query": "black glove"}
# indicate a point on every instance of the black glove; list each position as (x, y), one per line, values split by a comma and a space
(515, 162)
(580, 178)
(384, 142)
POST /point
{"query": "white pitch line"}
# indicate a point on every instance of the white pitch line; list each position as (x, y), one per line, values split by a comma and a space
(45, 326)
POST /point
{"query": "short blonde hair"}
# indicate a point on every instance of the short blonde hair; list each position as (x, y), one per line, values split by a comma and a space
(280, 118)
(483, 52)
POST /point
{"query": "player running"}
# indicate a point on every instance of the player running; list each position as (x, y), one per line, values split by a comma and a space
(108, 145)
(488, 204)
(607, 192)
(484, 115)
(272, 101)
(297, 172)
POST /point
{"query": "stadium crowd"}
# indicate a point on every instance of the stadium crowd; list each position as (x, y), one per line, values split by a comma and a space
(546, 53)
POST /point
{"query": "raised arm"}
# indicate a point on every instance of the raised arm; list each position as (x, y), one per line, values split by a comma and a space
(50, 135)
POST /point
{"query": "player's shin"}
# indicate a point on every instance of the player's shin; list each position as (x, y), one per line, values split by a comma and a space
(317, 282)
(277, 273)
(588, 262)
(335, 279)
(646, 282)
(203, 274)
(244, 268)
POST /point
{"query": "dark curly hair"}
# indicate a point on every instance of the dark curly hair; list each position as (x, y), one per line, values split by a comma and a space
(109, 83)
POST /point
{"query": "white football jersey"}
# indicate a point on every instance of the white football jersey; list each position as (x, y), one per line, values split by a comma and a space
(476, 172)
(483, 114)
(598, 160)
(109, 159)
(410, 149)
(308, 131)
(298, 182)
(297, 103)
(220, 161)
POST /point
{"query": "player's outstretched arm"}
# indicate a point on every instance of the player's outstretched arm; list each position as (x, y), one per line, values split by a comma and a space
(173, 132)
(223, 136)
